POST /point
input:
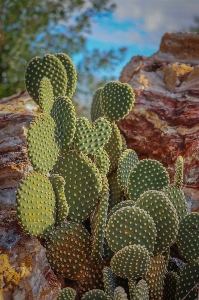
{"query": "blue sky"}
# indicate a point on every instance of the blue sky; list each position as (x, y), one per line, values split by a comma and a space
(140, 24)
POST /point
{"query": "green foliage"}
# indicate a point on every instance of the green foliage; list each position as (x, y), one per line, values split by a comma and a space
(66, 198)
(67, 294)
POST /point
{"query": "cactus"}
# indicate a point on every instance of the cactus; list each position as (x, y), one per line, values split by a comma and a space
(188, 237)
(46, 96)
(120, 294)
(70, 73)
(83, 170)
(125, 228)
(36, 204)
(131, 262)
(159, 207)
(42, 147)
(96, 111)
(63, 113)
(147, 174)
(127, 161)
(89, 139)
(117, 100)
(49, 66)
(109, 280)
(67, 294)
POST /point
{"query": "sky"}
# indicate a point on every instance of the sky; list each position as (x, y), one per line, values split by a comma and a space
(140, 24)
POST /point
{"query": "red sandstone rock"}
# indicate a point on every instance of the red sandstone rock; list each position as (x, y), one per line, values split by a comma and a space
(164, 121)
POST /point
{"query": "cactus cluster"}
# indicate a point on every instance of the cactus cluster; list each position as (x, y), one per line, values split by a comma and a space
(108, 219)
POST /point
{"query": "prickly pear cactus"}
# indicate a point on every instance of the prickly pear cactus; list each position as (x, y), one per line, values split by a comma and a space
(67, 294)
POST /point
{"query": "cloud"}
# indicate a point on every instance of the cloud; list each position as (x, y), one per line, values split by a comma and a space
(147, 21)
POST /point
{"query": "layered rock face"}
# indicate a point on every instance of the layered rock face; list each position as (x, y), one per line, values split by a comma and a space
(164, 121)
(24, 269)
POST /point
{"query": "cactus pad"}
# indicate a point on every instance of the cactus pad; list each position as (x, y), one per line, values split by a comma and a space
(67, 294)
(42, 147)
(101, 159)
(159, 207)
(120, 294)
(109, 280)
(62, 207)
(147, 175)
(189, 277)
(117, 100)
(70, 73)
(131, 262)
(83, 184)
(177, 198)
(178, 177)
(155, 277)
(116, 192)
(114, 147)
(170, 283)
(127, 161)
(141, 291)
(122, 204)
(35, 204)
(49, 66)
(46, 96)
(68, 250)
(129, 226)
(96, 294)
(90, 138)
(63, 113)
(100, 217)
(188, 237)
(96, 111)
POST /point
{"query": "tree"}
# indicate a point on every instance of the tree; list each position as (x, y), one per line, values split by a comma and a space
(35, 27)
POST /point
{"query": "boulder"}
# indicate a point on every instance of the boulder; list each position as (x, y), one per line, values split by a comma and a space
(164, 122)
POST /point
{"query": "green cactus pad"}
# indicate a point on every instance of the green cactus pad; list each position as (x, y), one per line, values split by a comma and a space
(46, 96)
(96, 294)
(49, 66)
(70, 73)
(101, 159)
(117, 100)
(124, 145)
(178, 177)
(42, 147)
(188, 237)
(159, 207)
(68, 250)
(116, 192)
(131, 262)
(141, 291)
(83, 184)
(177, 198)
(109, 280)
(96, 111)
(189, 277)
(114, 147)
(155, 277)
(120, 294)
(148, 174)
(35, 204)
(122, 204)
(129, 226)
(63, 113)
(90, 138)
(132, 288)
(67, 294)
(100, 217)
(62, 207)
(170, 283)
(127, 161)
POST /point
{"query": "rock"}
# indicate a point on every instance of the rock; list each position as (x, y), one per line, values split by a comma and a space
(24, 270)
(164, 121)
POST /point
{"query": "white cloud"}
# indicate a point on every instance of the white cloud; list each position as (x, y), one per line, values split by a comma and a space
(153, 17)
